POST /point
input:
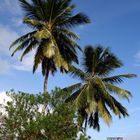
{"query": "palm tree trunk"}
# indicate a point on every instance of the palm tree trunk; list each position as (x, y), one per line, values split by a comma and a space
(46, 82)
(45, 109)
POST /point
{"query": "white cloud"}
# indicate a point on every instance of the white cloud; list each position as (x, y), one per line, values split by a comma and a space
(7, 36)
(137, 56)
(4, 67)
(17, 21)
(26, 64)
(6, 62)
(137, 59)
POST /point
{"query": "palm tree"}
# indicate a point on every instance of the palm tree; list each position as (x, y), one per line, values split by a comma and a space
(93, 96)
(52, 38)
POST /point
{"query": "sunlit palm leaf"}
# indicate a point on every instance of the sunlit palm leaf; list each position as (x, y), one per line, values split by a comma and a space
(119, 91)
(105, 114)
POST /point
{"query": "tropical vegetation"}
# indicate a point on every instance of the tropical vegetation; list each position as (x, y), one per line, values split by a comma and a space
(24, 120)
(72, 109)
(94, 95)
(52, 37)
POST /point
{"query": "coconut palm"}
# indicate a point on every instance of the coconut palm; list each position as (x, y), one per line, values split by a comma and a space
(51, 22)
(93, 96)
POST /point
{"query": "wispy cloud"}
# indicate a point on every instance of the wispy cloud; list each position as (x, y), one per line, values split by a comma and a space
(6, 62)
(26, 64)
(137, 59)
(4, 67)
(10, 6)
(136, 109)
(17, 21)
(7, 36)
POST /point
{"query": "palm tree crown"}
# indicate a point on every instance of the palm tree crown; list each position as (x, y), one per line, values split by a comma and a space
(55, 43)
(93, 96)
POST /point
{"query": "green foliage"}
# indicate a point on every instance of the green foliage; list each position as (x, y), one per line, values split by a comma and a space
(23, 118)
(93, 95)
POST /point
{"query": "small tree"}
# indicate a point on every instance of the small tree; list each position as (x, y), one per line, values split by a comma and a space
(23, 119)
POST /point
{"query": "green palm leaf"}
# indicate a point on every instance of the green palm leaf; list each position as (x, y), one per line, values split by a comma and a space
(31, 46)
(75, 72)
(22, 39)
(118, 78)
(119, 91)
(72, 88)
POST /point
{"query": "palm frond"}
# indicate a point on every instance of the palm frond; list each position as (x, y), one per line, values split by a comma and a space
(22, 46)
(28, 9)
(48, 64)
(29, 48)
(93, 121)
(22, 39)
(34, 23)
(68, 33)
(105, 114)
(75, 72)
(82, 117)
(88, 59)
(73, 96)
(122, 109)
(103, 92)
(100, 61)
(119, 91)
(72, 88)
(63, 12)
(78, 19)
(118, 79)
(38, 58)
(81, 99)
(65, 45)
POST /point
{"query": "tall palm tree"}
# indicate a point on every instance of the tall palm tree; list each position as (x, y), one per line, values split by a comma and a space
(93, 96)
(55, 43)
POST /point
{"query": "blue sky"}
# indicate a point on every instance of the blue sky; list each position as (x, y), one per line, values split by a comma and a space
(115, 24)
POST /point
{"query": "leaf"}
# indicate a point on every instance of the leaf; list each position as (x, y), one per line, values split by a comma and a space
(68, 33)
(43, 34)
(37, 58)
(73, 96)
(119, 91)
(34, 23)
(72, 88)
(81, 100)
(29, 48)
(106, 116)
(49, 49)
(118, 78)
(22, 39)
(75, 72)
